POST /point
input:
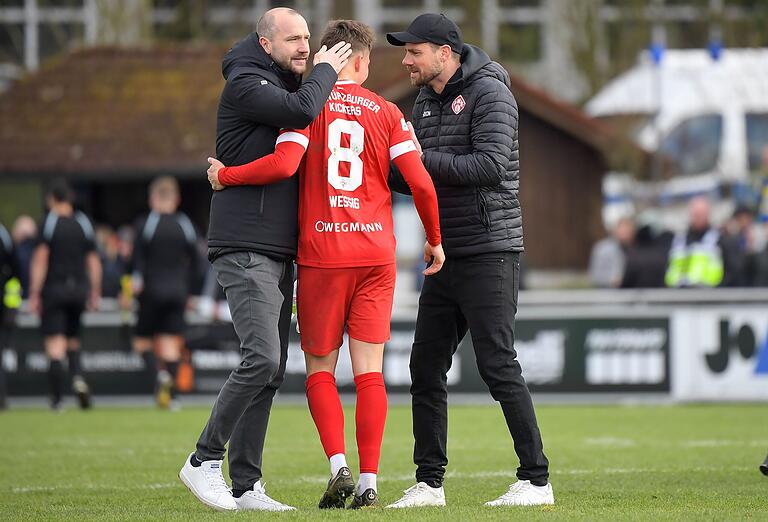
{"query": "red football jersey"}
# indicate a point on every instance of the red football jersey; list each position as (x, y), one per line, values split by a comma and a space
(345, 206)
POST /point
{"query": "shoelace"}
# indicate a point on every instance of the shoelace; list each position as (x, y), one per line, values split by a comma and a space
(410, 493)
(216, 480)
(514, 490)
(261, 493)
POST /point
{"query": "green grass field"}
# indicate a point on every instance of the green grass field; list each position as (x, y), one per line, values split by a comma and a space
(607, 462)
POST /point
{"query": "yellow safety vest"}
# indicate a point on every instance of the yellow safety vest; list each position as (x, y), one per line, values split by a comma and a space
(695, 264)
(12, 294)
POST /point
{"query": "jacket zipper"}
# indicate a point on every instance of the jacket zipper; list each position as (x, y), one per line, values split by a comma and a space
(261, 201)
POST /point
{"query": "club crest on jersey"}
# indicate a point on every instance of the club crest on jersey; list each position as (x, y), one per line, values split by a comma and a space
(458, 104)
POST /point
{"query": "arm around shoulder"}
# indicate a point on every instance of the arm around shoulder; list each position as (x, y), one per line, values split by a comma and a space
(264, 102)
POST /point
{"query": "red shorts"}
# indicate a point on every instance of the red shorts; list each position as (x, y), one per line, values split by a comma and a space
(330, 299)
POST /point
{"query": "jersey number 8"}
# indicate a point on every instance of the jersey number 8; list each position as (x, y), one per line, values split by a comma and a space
(349, 154)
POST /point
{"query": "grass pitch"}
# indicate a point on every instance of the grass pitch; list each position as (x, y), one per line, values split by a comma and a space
(607, 463)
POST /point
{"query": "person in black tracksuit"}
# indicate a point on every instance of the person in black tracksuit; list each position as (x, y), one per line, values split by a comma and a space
(9, 297)
(165, 262)
(65, 278)
(466, 122)
(252, 240)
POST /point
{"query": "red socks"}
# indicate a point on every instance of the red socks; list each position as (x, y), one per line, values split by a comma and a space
(325, 407)
(370, 416)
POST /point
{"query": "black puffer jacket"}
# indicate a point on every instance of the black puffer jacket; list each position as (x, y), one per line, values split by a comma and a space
(258, 99)
(471, 153)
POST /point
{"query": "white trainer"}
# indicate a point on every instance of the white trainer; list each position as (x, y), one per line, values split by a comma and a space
(256, 499)
(420, 495)
(523, 493)
(207, 483)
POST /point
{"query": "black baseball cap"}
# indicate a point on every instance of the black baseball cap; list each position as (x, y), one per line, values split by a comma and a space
(430, 27)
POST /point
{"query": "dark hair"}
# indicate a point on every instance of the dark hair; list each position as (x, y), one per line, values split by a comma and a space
(743, 210)
(60, 191)
(353, 32)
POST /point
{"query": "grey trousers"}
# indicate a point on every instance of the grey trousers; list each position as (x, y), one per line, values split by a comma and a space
(259, 292)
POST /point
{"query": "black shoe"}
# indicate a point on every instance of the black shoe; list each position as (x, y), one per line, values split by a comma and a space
(339, 488)
(764, 467)
(369, 498)
(83, 392)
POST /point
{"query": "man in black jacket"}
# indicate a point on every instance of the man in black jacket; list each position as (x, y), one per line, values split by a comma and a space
(465, 118)
(252, 240)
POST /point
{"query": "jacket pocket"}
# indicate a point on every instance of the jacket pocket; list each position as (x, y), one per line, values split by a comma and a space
(244, 259)
(482, 209)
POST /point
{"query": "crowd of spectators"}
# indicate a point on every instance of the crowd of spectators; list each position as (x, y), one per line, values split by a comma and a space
(642, 255)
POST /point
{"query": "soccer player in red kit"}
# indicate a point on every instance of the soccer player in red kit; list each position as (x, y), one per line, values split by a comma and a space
(346, 250)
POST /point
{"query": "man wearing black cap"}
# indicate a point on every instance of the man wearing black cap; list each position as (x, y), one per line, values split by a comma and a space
(465, 118)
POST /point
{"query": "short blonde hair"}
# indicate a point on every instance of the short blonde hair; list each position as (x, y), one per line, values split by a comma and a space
(165, 187)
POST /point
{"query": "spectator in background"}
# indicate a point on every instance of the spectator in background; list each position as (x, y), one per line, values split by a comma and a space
(646, 259)
(608, 258)
(10, 300)
(760, 265)
(114, 266)
(24, 236)
(701, 256)
(65, 277)
(739, 236)
(165, 261)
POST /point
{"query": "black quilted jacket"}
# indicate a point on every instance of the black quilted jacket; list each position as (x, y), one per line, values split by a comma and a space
(258, 99)
(469, 137)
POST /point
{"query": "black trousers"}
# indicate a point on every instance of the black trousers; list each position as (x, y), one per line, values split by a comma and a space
(478, 294)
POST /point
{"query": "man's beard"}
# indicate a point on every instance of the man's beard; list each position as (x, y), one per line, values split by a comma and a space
(424, 79)
(286, 63)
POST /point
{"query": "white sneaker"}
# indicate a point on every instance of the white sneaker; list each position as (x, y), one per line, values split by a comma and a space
(523, 493)
(207, 483)
(420, 495)
(256, 499)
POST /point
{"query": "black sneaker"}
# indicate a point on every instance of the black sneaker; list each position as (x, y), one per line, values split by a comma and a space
(339, 488)
(82, 391)
(369, 498)
(764, 466)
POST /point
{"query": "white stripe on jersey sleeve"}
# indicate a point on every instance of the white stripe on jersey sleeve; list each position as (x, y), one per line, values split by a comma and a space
(85, 224)
(294, 137)
(401, 148)
(50, 226)
(5, 238)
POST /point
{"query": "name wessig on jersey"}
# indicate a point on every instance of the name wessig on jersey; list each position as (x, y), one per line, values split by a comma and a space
(351, 104)
(344, 202)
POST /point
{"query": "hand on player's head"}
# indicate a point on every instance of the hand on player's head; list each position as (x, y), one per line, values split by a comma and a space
(337, 56)
(213, 173)
(434, 254)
